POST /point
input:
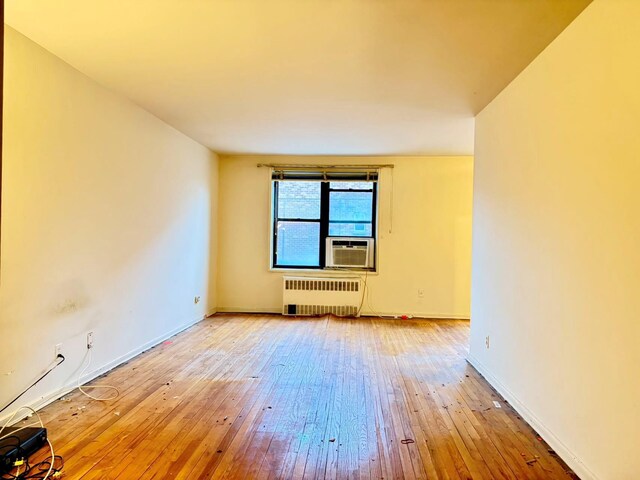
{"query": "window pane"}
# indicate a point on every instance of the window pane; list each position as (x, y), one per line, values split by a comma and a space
(298, 199)
(298, 244)
(350, 230)
(350, 206)
(351, 185)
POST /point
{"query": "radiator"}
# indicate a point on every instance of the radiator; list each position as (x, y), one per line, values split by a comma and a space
(320, 296)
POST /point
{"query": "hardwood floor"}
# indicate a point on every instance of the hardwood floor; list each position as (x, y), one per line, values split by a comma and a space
(264, 396)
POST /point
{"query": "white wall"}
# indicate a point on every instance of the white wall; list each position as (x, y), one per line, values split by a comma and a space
(106, 223)
(556, 257)
(425, 243)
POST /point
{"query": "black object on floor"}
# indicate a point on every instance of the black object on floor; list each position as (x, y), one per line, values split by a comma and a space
(19, 443)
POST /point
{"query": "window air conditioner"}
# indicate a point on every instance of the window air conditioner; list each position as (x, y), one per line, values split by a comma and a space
(350, 252)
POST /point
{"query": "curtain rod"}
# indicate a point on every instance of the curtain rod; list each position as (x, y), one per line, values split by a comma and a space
(320, 167)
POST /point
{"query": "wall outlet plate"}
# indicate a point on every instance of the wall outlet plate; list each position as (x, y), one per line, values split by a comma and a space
(90, 340)
(58, 350)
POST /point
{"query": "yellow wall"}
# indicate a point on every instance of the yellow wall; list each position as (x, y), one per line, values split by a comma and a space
(106, 223)
(428, 246)
(556, 251)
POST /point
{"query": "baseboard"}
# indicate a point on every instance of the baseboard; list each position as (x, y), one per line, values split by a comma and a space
(426, 316)
(69, 387)
(248, 310)
(560, 448)
(438, 316)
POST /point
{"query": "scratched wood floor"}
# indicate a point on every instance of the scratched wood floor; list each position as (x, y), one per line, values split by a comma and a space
(264, 396)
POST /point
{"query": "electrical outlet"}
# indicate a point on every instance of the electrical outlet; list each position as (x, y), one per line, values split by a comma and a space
(420, 292)
(486, 341)
(58, 350)
(196, 300)
(90, 340)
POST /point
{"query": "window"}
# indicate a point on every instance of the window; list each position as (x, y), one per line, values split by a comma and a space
(307, 212)
(351, 209)
(297, 227)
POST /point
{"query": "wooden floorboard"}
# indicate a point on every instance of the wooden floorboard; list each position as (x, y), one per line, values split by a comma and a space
(271, 397)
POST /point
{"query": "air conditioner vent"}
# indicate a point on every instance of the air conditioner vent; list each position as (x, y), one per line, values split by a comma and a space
(350, 256)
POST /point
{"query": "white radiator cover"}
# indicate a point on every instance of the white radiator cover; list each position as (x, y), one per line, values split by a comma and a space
(321, 295)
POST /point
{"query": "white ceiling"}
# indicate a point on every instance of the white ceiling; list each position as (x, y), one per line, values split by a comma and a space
(363, 77)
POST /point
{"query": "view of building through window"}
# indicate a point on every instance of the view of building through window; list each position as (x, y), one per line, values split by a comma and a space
(298, 225)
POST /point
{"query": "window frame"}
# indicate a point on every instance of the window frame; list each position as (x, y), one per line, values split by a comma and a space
(324, 221)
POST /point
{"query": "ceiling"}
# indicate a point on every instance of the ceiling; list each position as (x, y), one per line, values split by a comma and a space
(336, 77)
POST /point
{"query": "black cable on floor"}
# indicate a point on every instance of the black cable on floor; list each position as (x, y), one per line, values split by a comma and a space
(60, 356)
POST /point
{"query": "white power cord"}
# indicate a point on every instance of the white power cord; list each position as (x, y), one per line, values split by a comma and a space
(40, 422)
(25, 407)
(365, 296)
(373, 311)
(81, 387)
(364, 291)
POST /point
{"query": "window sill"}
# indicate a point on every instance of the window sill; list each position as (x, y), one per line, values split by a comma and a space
(327, 272)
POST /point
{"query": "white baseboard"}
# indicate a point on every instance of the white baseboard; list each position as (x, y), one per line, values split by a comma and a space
(278, 311)
(69, 387)
(427, 316)
(249, 310)
(560, 448)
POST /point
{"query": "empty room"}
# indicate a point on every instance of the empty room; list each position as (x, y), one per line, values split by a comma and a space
(320, 239)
